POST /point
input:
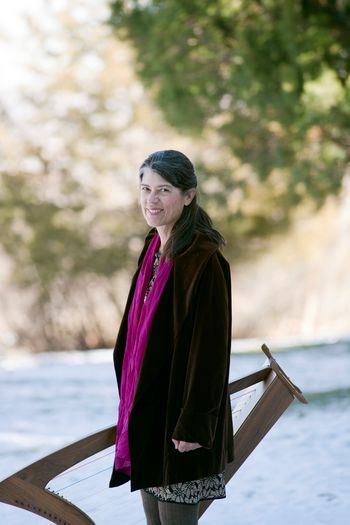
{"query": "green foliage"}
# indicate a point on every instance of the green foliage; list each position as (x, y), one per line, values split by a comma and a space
(49, 242)
(266, 82)
(270, 78)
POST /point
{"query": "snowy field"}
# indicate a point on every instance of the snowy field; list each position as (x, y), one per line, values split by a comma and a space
(300, 473)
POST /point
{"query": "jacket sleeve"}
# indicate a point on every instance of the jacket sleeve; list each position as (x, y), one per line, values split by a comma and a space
(208, 358)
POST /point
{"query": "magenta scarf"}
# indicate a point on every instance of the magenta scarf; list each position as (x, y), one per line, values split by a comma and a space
(139, 324)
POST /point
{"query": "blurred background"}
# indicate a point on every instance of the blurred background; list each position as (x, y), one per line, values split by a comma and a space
(257, 94)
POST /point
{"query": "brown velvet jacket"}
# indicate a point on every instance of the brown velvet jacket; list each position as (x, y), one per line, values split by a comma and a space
(182, 388)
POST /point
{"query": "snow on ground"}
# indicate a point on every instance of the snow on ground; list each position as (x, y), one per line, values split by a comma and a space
(299, 473)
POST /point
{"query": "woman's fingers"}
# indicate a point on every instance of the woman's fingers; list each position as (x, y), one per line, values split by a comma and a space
(176, 443)
(185, 446)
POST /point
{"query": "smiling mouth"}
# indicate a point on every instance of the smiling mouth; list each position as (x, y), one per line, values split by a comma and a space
(154, 211)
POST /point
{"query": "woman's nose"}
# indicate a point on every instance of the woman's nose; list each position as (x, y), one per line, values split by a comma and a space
(153, 197)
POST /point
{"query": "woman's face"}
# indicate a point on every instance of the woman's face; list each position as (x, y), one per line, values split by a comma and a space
(161, 203)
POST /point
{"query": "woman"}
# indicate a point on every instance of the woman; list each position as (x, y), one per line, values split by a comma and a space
(174, 432)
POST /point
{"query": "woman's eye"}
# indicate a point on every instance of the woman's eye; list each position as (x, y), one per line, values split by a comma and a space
(165, 190)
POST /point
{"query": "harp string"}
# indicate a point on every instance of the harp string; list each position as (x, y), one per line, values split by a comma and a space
(88, 496)
(240, 401)
(83, 464)
(239, 404)
(244, 394)
(83, 479)
(78, 469)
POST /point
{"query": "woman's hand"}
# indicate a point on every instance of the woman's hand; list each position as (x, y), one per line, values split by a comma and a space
(185, 446)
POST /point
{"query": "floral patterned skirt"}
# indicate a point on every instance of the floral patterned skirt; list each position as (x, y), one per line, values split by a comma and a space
(191, 492)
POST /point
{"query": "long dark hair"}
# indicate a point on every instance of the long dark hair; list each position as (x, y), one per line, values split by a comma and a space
(178, 170)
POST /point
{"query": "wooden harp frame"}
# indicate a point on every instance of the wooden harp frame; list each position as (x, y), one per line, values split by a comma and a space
(255, 413)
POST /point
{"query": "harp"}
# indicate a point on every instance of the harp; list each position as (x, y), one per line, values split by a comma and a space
(258, 400)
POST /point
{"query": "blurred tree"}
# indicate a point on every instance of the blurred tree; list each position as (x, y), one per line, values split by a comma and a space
(262, 86)
(270, 77)
(66, 188)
